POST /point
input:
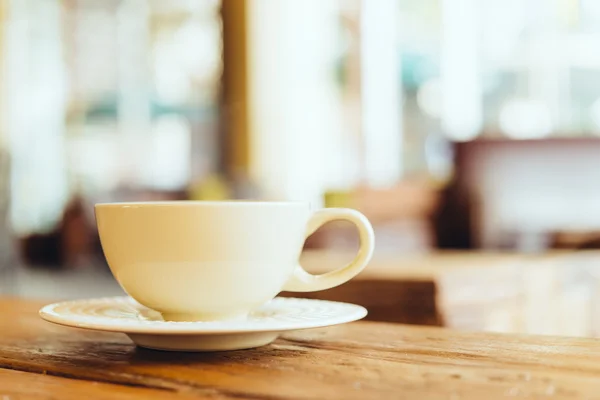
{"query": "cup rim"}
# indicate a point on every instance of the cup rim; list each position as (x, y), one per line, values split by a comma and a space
(191, 203)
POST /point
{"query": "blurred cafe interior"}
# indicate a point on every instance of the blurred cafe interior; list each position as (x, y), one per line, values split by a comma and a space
(467, 131)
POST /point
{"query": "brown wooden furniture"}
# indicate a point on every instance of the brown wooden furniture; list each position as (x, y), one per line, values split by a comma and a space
(426, 289)
(401, 217)
(362, 360)
(554, 293)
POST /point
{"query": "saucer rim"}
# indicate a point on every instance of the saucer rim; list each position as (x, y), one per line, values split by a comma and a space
(356, 312)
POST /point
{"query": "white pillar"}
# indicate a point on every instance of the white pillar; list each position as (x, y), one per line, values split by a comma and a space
(294, 109)
(34, 109)
(133, 61)
(381, 92)
(462, 114)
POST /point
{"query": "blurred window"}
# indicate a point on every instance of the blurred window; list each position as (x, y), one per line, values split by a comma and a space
(500, 68)
(104, 95)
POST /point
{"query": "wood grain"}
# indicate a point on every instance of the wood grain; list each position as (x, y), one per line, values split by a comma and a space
(18, 385)
(363, 360)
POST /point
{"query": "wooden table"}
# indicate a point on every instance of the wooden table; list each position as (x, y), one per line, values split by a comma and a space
(362, 360)
(465, 290)
(555, 293)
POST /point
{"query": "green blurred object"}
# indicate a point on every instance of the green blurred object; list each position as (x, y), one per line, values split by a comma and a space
(108, 109)
(416, 69)
(213, 187)
(338, 198)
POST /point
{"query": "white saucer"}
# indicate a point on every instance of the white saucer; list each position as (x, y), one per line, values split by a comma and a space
(146, 328)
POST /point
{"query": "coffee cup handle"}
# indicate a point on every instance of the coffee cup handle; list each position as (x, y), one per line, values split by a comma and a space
(302, 281)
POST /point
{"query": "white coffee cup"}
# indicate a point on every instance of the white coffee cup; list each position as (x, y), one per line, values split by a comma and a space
(212, 260)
